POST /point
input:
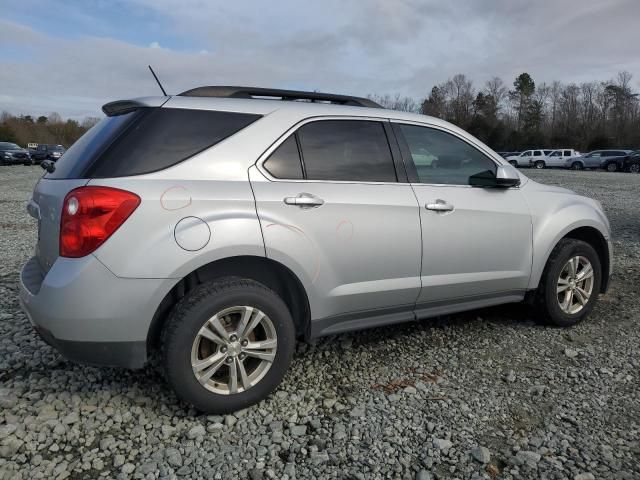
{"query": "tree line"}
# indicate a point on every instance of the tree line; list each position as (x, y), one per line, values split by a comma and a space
(52, 129)
(585, 116)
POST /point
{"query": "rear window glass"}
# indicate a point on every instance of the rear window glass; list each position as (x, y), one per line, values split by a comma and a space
(146, 140)
(346, 150)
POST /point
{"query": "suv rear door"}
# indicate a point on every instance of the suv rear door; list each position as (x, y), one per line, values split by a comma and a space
(477, 242)
(335, 209)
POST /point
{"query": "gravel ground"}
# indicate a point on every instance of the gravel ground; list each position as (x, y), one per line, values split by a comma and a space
(485, 394)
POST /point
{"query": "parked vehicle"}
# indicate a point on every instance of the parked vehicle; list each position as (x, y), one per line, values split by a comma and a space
(558, 158)
(529, 158)
(12, 154)
(610, 160)
(632, 162)
(47, 152)
(192, 226)
(613, 160)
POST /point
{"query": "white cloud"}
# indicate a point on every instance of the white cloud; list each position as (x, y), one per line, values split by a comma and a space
(355, 47)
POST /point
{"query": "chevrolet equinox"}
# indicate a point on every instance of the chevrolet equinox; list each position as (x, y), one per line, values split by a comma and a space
(219, 226)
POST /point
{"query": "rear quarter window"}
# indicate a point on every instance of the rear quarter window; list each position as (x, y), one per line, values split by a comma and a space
(147, 140)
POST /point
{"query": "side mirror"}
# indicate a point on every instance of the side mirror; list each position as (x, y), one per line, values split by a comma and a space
(507, 176)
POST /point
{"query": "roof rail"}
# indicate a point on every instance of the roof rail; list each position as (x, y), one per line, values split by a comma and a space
(252, 92)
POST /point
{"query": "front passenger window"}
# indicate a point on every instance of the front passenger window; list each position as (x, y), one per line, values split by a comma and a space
(442, 158)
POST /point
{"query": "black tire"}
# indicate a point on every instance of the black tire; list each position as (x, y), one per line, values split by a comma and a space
(612, 167)
(188, 317)
(514, 163)
(539, 164)
(576, 166)
(634, 168)
(547, 302)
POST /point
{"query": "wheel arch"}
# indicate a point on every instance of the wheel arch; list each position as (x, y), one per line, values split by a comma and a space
(269, 272)
(589, 234)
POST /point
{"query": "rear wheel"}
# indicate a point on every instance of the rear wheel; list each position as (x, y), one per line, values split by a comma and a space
(570, 283)
(227, 345)
(514, 163)
(612, 167)
(576, 166)
(539, 164)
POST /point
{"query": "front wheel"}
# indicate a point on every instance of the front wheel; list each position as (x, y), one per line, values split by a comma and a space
(539, 164)
(513, 163)
(227, 345)
(570, 283)
(576, 166)
(612, 167)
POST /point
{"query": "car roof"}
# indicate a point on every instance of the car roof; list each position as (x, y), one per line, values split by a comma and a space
(303, 109)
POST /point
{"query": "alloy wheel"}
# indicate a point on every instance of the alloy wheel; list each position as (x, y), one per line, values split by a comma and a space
(234, 350)
(634, 167)
(575, 284)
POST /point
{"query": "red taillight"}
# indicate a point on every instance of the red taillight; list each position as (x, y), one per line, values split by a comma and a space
(90, 215)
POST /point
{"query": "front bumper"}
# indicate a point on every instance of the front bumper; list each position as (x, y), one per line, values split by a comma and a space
(88, 314)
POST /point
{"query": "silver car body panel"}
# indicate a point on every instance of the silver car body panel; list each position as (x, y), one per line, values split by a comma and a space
(371, 254)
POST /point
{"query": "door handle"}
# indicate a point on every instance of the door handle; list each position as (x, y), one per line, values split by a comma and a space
(304, 200)
(439, 206)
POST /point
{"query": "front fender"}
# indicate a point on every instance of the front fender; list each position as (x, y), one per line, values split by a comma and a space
(553, 224)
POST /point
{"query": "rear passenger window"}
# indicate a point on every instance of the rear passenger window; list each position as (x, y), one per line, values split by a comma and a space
(346, 150)
(537, 153)
(146, 140)
(284, 162)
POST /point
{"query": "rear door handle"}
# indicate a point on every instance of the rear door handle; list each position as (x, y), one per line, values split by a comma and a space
(304, 200)
(439, 206)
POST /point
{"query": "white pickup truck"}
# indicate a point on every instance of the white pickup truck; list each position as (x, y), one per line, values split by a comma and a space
(558, 158)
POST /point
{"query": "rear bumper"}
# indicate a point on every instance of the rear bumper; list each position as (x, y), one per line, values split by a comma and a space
(116, 354)
(88, 314)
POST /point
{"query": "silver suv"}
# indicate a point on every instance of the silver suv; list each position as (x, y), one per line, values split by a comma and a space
(217, 228)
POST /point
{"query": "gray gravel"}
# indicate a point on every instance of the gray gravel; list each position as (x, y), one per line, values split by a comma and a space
(485, 394)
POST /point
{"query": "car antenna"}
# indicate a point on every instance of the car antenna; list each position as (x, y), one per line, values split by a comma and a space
(156, 77)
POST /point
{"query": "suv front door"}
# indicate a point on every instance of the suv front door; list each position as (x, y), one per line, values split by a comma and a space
(333, 210)
(477, 242)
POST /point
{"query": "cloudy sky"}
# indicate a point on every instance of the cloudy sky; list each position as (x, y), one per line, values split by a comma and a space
(73, 56)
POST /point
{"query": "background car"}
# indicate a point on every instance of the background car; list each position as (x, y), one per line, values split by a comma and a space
(529, 158)
(613, 160)
(12, 154)
(46, 151)
(632, 162)
(610, 160)
(558, 158)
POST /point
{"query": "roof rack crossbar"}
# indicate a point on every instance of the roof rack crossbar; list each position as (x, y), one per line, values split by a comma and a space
(253, 92)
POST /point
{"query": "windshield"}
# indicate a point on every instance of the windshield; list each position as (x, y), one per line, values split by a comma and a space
(10, 145)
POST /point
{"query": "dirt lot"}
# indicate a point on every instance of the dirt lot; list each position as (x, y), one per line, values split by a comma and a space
(485, 394)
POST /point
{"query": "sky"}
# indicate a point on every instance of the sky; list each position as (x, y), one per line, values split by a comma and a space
(73, 56)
